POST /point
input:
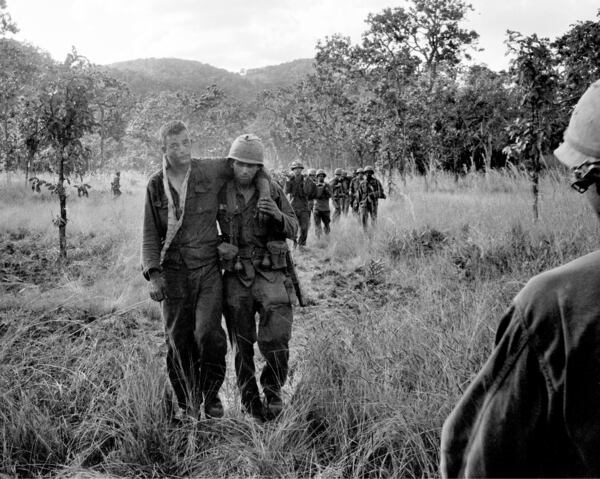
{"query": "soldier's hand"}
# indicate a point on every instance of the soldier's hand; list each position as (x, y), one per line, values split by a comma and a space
(268, 206)
(158, 287)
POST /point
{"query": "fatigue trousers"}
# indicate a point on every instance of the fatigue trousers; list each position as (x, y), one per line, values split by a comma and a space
(338, 205)
(196, 341)
(321, 217)
(271, 300)
(304, 223)
(368, 208)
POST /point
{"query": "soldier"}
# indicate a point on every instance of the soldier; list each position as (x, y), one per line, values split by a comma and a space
(115, 184)
(353, 191)
(179, 258)
(338, 194)
(532, 411)
(346, 203)
(369, 192)
(312, 174)
(254, 258)
(322, 211)
(301, 192)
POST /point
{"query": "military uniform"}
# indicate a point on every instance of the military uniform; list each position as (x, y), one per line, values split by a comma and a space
(196, 341)
(369, 192)
(255, 281)
(321, 212)
(339, 194)
(301, 192)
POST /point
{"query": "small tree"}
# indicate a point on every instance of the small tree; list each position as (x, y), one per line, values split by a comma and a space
(534, 73)
(66, 116)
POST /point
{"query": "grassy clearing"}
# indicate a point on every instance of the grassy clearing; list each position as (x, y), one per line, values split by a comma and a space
(400, 321)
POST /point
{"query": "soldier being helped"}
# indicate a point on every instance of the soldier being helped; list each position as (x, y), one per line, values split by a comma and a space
(255, 258)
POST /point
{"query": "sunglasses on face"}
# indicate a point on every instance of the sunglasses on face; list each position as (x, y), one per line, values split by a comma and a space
(585, 176)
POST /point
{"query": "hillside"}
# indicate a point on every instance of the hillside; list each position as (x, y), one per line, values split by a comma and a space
(156, 74)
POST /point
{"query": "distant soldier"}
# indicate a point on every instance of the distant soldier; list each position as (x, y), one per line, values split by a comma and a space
(346, 203)
(370, 191)
(254, 257)
(312, 174)
(339, 193)
(321, 212)
(353, 192)
(115, 184)
(301, 191)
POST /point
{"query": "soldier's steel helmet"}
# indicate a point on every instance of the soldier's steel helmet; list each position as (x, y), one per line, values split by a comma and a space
(582, 137)
(321, 173)
(311, 172)
(248, 149)
(338, 171)
(359, 170)
(296, 164)
(368, 168)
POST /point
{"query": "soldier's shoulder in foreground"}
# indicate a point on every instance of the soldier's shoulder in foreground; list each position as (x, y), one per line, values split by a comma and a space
(155, 177)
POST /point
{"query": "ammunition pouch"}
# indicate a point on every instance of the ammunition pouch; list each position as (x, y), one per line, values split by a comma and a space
(278, 251)
(227, 255)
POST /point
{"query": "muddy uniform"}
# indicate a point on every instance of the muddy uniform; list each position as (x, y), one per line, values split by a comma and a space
(321, 212)
(369, 192)
(192, 310)
(258, 284)
(301, 192)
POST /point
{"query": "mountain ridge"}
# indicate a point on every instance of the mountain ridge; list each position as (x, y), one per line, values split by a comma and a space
(145, 75)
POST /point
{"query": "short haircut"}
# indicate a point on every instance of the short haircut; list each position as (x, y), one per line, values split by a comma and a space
(173, 127)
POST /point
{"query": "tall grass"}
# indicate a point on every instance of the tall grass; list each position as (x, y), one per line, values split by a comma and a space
(401, 319)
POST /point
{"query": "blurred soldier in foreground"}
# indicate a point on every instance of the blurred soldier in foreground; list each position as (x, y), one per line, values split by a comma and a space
(532, 411)
(254, 256)
(179, 258)
(115, 185)
(322, 211)
(301, 192)
(369, 192)
(339, 193)
(353, 191)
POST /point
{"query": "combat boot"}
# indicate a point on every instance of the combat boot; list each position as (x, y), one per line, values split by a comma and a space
(213, 407)
(273, 406)
(255, 408)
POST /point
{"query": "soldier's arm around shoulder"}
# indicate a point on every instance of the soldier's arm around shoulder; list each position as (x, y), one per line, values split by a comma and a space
(215, 167)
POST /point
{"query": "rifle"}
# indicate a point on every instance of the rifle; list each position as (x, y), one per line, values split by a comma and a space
(291, 270)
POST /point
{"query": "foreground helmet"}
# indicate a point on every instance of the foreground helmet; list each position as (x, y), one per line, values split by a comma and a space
(296, 164)
(311, 172)
(248, 149)
(338, 171)
(321, 173)
(582, 136)
(368, 168)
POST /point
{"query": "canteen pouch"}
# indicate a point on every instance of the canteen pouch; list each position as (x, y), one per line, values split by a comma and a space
(227, 255)
(278, 250)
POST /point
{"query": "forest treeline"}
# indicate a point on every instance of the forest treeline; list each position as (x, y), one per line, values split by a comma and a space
(406, 98)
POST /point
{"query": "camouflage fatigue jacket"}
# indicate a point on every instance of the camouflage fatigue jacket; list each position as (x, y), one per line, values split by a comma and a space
(322, 197)
(300, 191)
(534, 408)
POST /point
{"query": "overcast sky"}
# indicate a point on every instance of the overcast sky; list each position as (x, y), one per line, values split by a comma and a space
(237, 34)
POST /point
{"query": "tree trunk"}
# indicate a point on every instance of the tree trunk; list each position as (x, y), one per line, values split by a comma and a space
(62, 198)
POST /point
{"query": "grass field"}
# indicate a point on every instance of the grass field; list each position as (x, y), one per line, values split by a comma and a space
(399, 322)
